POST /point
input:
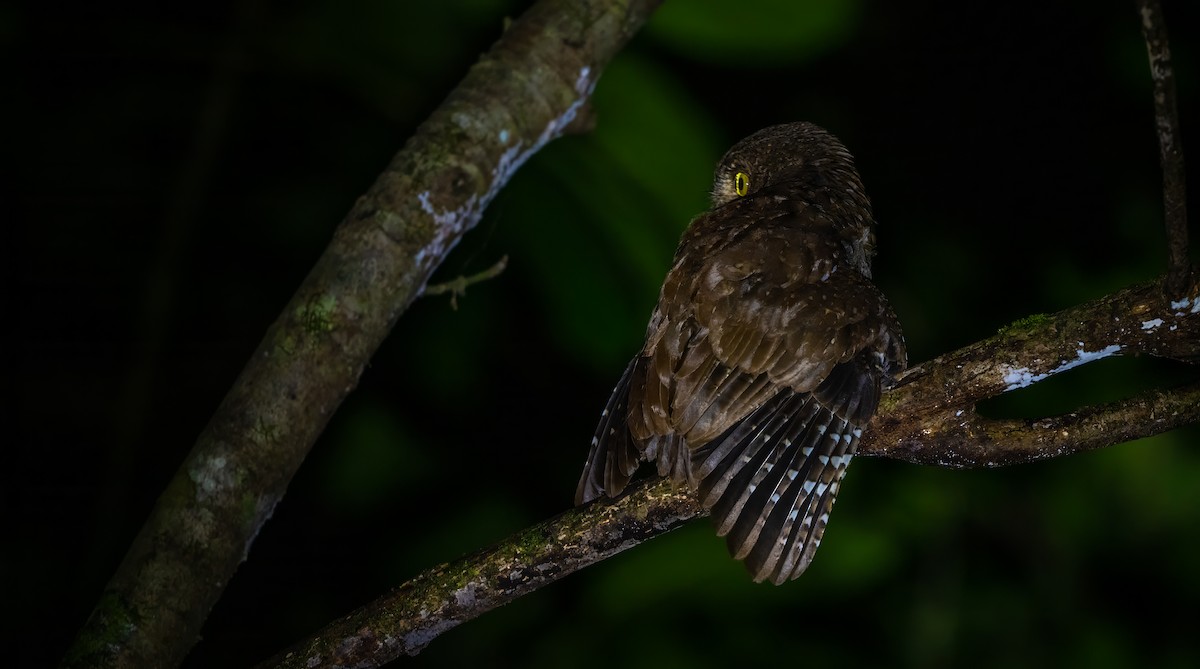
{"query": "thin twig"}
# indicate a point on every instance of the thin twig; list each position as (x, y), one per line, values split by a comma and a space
(1154, 30)
(458, 286)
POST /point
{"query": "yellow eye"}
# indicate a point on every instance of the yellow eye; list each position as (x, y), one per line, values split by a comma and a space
(741, 183)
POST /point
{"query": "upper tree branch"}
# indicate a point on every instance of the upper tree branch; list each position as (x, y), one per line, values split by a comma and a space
(928, 418)
(521, 94)
(1154, 30)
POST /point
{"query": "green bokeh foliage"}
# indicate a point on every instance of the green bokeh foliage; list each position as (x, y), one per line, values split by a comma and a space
(1013, 170)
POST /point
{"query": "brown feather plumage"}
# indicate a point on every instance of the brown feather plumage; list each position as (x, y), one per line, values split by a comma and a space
(765, 354)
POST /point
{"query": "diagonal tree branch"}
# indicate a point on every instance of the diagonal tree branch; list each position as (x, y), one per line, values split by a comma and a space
(527, 90)
(928, 418)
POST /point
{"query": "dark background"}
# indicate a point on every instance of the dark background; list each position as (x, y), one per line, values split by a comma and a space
(173, 173)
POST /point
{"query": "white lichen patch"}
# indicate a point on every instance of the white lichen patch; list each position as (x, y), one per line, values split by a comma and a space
(465, 596)
(1022, 377)
(212, 476)
(1151, 324)
(1186, 305)
(1019, 377)
(452, 223)
(264, 508)
(515, 156)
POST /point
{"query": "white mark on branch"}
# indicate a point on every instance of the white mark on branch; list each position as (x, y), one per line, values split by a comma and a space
(1151, 324)
(264, 508)
(452, 223)
(514, 156)
(1147, 18)
(211, 476)
(420, 638)
(1022, 377)
(584, 83)
(465, 596)
(1181, 306)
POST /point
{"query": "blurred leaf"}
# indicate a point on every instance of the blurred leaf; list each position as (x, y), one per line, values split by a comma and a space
(667, 570)
(445, 354)
(660, 135)
(374, 457)
(754, 31)
(597, 218)
(382, 52)
(458, 532)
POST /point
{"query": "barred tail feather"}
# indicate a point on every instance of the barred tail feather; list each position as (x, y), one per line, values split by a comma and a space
(793, 528)
(728, 465)
(674, 459)
(613, 456)
(771, 481)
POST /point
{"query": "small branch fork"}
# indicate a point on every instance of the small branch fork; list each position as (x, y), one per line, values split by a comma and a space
(458, 286)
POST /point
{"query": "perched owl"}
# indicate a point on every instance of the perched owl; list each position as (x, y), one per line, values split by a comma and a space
(765, 355)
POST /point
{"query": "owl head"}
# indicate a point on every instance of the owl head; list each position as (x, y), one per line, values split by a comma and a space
(806, 166)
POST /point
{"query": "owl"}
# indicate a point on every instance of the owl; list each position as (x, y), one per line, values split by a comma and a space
(765, 355)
